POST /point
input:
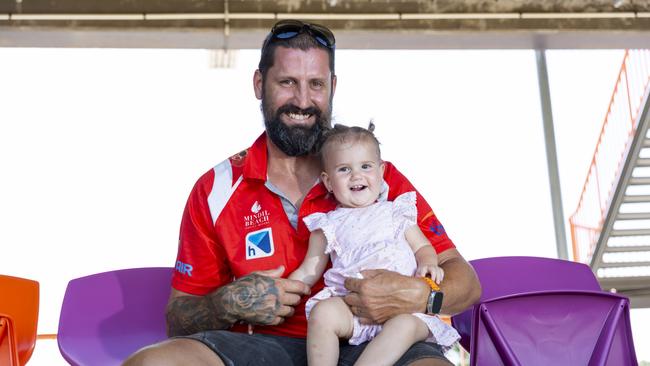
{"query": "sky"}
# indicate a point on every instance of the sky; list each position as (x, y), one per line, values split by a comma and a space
(99, 148)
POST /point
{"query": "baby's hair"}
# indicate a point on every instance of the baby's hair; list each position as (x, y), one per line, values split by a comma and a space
(340, 134)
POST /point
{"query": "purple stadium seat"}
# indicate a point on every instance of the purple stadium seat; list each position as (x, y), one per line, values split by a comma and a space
(542, 311)
(107, 316)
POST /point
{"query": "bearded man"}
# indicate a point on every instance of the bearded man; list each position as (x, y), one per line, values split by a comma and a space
(242, 232)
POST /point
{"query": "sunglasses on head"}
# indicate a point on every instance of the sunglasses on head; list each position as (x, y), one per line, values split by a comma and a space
(287, 29)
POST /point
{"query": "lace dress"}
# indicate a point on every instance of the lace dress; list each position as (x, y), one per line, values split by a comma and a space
(371, 238)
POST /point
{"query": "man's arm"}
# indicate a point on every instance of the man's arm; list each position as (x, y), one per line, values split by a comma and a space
(461, 286)
(259, 298)
(382, 294)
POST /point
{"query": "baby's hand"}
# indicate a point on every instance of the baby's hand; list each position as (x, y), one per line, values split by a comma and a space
(431, 269)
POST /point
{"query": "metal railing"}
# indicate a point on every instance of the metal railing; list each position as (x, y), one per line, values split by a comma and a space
(607, 163)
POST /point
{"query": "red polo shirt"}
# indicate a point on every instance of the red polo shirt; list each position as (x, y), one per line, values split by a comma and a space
(234, 225)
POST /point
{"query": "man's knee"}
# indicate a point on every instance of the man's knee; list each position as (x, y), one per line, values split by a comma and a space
(174, 352)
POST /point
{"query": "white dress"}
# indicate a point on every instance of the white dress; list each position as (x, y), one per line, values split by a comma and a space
(371, 238)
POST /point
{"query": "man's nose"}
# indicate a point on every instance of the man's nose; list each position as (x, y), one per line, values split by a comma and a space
(302, 97)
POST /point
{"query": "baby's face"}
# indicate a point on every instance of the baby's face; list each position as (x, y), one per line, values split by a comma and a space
(354, 173)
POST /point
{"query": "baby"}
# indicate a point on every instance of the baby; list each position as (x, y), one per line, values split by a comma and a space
(364, 232)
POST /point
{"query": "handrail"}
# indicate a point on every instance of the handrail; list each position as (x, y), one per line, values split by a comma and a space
(614, 141)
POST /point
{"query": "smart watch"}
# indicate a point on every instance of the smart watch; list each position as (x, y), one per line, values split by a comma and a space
(434, 302)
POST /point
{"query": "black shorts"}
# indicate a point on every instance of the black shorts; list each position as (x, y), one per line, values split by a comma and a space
(238, 349)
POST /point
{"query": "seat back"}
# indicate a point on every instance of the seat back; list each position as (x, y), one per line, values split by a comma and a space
(19, 300)
(107, 316)
(500, 276)
(553, 328)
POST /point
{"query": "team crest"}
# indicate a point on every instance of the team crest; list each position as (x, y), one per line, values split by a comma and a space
(259, 244)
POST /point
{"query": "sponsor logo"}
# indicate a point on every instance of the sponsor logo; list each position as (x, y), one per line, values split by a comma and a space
(259, 217)
(437, 228)
(238, 159)
(259, 244)
(184, 268)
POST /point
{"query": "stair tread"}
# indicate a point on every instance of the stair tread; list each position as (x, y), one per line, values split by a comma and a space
(642, 162)
(629, 232)
(639, 180)
(636, 198)
(633, 216)
(624, 264)
(627, 249)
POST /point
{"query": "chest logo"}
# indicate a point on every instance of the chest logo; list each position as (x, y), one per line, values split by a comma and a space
(259, 244)
(258, 217)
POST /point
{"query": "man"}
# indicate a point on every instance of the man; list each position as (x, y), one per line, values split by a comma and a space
(242, 232)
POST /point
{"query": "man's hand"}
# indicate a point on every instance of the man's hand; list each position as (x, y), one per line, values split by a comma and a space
(259, 298)
(263, 298)
(382, 294)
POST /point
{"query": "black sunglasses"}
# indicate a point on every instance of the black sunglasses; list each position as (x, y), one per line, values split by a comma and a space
(287, 29)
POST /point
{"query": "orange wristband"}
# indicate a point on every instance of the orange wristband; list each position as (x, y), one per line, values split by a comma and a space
(434, 286)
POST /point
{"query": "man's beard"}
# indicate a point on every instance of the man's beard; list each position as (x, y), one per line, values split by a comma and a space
(296, 140)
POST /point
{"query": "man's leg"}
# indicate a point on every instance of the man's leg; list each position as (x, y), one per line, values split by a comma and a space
(430, 362)
(177, 351)
(222, 347)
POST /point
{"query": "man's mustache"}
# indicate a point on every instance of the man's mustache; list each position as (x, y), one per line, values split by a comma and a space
(291, 108)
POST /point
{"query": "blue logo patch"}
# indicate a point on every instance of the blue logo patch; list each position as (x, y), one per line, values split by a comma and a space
(184, 268)
(259, 244)
(437, 228)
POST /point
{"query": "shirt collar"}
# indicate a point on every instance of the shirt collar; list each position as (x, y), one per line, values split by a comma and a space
(255, 166)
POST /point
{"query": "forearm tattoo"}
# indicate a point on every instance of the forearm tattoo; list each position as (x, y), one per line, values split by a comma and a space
(253, 299)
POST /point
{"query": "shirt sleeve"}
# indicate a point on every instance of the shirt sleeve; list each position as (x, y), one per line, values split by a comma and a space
(426, 219)
(201, 263)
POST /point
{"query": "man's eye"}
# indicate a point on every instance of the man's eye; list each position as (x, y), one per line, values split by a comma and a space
(286, 82)
(317, 84)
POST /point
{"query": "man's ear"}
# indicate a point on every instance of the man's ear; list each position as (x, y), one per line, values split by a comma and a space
(258, 84)
(333, 84)
(326, 181)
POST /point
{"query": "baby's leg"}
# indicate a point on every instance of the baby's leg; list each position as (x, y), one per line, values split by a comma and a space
(396, 337)
(329, 320)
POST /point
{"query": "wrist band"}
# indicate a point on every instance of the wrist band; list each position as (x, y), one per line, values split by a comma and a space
(434, 302)
(434, 286)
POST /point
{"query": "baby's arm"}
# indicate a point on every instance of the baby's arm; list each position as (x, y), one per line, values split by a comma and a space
(425, 255)
(313, 265)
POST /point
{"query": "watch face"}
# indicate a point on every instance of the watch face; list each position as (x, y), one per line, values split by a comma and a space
(435, 302)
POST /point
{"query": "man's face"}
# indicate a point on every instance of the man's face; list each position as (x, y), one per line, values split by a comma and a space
(296, 98)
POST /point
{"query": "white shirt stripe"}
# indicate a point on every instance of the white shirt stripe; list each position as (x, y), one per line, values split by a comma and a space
(222, 189)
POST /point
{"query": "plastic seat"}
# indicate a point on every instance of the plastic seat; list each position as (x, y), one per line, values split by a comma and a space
(540, 311)
(19, 300)
(107, 316)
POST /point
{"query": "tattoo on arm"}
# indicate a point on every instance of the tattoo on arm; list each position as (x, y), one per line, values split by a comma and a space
(253, 299)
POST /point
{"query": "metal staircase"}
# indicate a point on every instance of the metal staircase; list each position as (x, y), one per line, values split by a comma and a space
(611, 227)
